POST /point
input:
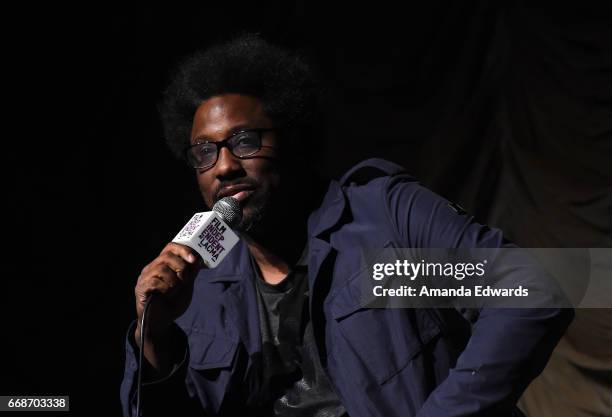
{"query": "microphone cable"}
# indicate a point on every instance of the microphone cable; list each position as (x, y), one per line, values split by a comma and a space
(141, 353)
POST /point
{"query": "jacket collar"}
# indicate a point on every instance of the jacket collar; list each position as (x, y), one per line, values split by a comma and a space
(328, 214)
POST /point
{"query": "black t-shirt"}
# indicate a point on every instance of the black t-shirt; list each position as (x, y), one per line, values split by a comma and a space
(294, 383)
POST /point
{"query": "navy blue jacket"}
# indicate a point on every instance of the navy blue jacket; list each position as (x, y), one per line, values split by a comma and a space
(381, 362)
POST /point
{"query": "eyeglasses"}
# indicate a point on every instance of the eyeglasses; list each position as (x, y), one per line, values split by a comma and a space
(242, 145)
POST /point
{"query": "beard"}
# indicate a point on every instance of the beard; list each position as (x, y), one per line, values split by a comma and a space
(255, 218)
(249, 223)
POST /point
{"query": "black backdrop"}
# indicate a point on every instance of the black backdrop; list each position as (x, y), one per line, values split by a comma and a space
(504, 107)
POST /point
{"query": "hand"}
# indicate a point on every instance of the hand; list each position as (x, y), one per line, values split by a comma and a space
(171, 276)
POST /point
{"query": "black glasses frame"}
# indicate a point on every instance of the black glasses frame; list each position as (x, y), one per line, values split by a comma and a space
(226, 143)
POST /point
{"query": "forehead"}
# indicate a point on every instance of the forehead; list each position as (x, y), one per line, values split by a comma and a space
(217, 116)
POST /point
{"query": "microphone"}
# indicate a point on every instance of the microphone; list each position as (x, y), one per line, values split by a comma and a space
(210, 233)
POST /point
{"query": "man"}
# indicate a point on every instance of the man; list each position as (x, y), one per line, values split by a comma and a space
(278, 329)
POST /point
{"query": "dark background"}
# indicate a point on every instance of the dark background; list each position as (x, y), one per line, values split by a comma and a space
(504, 107)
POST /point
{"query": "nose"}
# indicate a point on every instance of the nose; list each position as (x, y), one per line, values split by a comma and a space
(227, 165)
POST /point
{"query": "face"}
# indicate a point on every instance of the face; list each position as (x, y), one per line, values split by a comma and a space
(254, 181)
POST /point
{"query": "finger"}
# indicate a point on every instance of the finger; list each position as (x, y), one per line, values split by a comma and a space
(185, 252)
(148, 286)
(167, 275)
(175, 262)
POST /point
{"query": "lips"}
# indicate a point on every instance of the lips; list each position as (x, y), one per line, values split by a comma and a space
(239, 191)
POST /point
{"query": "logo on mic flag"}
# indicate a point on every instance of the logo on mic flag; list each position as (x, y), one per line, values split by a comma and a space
(209, 235)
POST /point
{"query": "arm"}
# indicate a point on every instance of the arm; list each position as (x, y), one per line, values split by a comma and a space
(163, 393)
(171, 277)
(508, 347)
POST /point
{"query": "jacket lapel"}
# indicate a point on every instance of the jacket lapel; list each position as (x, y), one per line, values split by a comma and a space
(240, 299)
(319, 225)
(240, 304)
(321, 254)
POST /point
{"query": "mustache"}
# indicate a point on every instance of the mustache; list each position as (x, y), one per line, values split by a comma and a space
(247, 181)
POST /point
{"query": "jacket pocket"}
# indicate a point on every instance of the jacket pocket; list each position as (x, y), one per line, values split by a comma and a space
(208, 351)
(379, 342)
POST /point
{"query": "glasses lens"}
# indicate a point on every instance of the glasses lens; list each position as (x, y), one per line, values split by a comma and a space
(245, 143)
(202, 155)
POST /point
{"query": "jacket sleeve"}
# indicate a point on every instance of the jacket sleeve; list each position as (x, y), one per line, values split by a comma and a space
(163, 397)
(508, 347)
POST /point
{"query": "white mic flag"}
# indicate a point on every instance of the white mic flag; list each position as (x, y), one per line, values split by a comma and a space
(209, 234)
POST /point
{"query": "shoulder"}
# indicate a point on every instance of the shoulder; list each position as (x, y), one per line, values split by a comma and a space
(375, 179)
(366, 192)
(370, 169)
(362, 198)
(383, 191)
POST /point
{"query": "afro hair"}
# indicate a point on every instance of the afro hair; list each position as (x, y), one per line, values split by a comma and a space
(248, 64)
